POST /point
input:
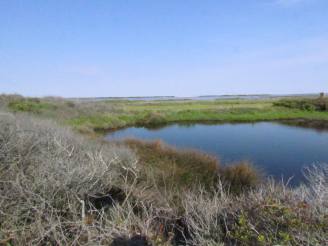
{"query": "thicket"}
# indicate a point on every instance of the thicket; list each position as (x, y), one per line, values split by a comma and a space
(318, 104)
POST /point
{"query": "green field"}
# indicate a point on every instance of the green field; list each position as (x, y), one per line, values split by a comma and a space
(90, 117)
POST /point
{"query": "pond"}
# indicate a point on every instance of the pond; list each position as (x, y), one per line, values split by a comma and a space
(279, 150)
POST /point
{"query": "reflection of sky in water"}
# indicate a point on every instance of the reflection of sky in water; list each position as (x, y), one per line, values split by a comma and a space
(275, 148)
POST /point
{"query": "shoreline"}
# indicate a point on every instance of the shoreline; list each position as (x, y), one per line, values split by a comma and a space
(319, 125)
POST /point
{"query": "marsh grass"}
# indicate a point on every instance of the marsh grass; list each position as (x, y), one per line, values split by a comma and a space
(241, 176)
(182, 168)
(186, 168)
(98, 116)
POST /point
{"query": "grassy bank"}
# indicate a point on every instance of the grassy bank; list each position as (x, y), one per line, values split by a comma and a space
(184, 169)
(60, 188)
(90, 117)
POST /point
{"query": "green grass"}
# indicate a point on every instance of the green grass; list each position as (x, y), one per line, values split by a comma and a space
(31, 105)
(108, 115)
(158, 117)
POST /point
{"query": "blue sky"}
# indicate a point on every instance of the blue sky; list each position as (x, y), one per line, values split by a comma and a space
(169, 47)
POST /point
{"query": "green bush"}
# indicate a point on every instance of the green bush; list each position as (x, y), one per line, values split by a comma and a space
(154, 118)
(30, 105)
(320, 104)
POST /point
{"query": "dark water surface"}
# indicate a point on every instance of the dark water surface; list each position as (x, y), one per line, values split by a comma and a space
(279, 150)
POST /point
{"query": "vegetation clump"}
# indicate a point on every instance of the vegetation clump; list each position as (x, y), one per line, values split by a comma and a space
(31, 105)
(181, 168)
(271, 214)
(318, 104)
(240, 176)
(186, 168)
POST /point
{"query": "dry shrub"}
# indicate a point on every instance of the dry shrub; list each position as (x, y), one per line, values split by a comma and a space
(317, 192)
(271, 214)
(46, 171)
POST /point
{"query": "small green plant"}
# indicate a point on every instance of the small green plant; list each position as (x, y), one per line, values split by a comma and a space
(243, 231)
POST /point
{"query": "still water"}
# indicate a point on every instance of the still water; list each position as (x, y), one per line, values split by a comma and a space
(278, 150)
